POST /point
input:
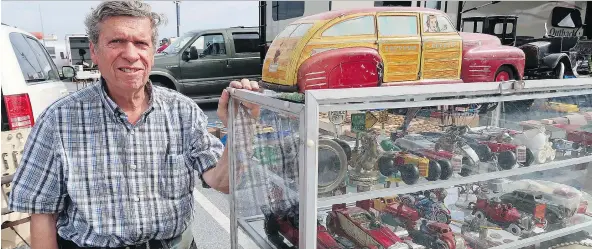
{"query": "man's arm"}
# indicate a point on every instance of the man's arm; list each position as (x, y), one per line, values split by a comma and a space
(43, 231)
(218, 177)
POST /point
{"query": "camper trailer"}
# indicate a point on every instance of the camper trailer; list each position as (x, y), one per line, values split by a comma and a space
(78, 55)
(562, 18)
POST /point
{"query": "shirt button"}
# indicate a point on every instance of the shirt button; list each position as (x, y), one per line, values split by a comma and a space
(133, 166)
(137, 198)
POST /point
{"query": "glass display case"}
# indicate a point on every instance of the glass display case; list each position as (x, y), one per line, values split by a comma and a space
(456, 166)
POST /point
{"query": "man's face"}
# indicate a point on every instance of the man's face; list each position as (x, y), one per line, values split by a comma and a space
(124, 53)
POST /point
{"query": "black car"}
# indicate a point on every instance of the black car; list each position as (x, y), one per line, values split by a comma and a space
(526, 201)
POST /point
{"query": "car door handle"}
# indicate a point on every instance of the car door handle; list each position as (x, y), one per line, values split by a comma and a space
(228, 64)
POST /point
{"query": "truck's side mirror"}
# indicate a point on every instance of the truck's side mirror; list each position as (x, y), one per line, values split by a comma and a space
(193, 54)
(68, 72)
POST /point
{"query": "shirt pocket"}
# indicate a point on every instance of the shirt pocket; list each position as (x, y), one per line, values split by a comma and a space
(177, 179)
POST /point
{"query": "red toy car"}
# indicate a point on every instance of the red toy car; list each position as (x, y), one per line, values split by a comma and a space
(286, 224)
(503, 215)
(362, 227)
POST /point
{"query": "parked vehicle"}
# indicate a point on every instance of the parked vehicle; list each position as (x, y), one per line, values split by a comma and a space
(30, 81)
(201, 63)
(342, 49)
(548, 56)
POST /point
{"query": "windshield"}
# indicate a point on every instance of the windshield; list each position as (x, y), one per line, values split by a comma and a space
(178, 44)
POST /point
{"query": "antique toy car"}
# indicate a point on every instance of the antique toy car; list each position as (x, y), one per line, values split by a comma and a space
(391, 211)
(436, 235)
(362, 227)
(419, 145)
(503, 215)
(286, 224)
(385, 46)
(428, 205)
(534, 202)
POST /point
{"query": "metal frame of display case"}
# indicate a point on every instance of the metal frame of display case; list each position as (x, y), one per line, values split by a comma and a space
(325, 100)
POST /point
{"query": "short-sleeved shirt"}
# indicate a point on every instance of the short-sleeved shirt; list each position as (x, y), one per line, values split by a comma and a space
(114, 183)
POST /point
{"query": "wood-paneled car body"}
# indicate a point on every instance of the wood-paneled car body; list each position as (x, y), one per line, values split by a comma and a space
(384, 46)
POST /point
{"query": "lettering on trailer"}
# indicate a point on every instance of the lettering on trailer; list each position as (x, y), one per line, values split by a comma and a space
(565, 32)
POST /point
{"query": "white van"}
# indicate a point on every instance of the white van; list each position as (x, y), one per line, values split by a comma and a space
(29, 78)
(29, 82)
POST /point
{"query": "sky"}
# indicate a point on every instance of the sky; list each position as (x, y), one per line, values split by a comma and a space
(67, 17)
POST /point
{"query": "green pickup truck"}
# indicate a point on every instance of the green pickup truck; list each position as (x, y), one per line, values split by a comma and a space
(200, 64)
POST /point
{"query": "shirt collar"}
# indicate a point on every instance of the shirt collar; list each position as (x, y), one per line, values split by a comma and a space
(115, 109)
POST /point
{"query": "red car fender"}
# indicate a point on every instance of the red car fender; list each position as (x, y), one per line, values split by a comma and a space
(480, 64)
(340, 68)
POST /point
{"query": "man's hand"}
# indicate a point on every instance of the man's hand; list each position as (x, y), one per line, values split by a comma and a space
(223, 103)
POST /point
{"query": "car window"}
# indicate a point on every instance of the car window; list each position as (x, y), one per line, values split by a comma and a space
(397, 25)
(434, 23)
(357, 26)
(35, 63)
(287, 31)
(210, 44)
(301, 30)
(178, 44)
(51, 51)
(499, 28)
(433, 4)
(246, 42)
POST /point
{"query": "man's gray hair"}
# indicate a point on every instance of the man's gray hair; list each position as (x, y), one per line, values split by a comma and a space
(112, 8)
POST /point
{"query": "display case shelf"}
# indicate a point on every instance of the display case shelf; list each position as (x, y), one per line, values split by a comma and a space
(306, 154)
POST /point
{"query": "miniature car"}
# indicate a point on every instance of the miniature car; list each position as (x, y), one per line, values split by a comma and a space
(534, 202)
(362, 228)
(286, 224)
(436, 235)
(391, 211)
(354, 48)
(503, 215)
(428, 205)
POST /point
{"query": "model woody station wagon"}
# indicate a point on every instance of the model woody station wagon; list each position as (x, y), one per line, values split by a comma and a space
(384, 46)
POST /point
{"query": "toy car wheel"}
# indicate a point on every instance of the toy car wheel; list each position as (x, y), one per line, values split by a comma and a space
(541, 157)
(330, 224)
(552, 154)
(514, 229)
(446, 169)
(504, 73)
(529, 157)
(386, 165)
(345, 146)
(480, 215)
(434, 171)
(439, 244)
(506, 159)
(409, 174)
(442, 217)
(483, 152)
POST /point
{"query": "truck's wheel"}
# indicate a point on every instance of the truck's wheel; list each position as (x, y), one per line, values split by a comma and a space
(434, 171)
(514, 229)
(158, 83)
(504, 73)
(506, 159)
(446, 171)
(409, 174)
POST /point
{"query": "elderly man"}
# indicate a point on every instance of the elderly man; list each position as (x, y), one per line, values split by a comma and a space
(113, 165)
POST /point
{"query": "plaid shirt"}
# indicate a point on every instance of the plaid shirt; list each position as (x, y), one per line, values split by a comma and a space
(114, 183)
